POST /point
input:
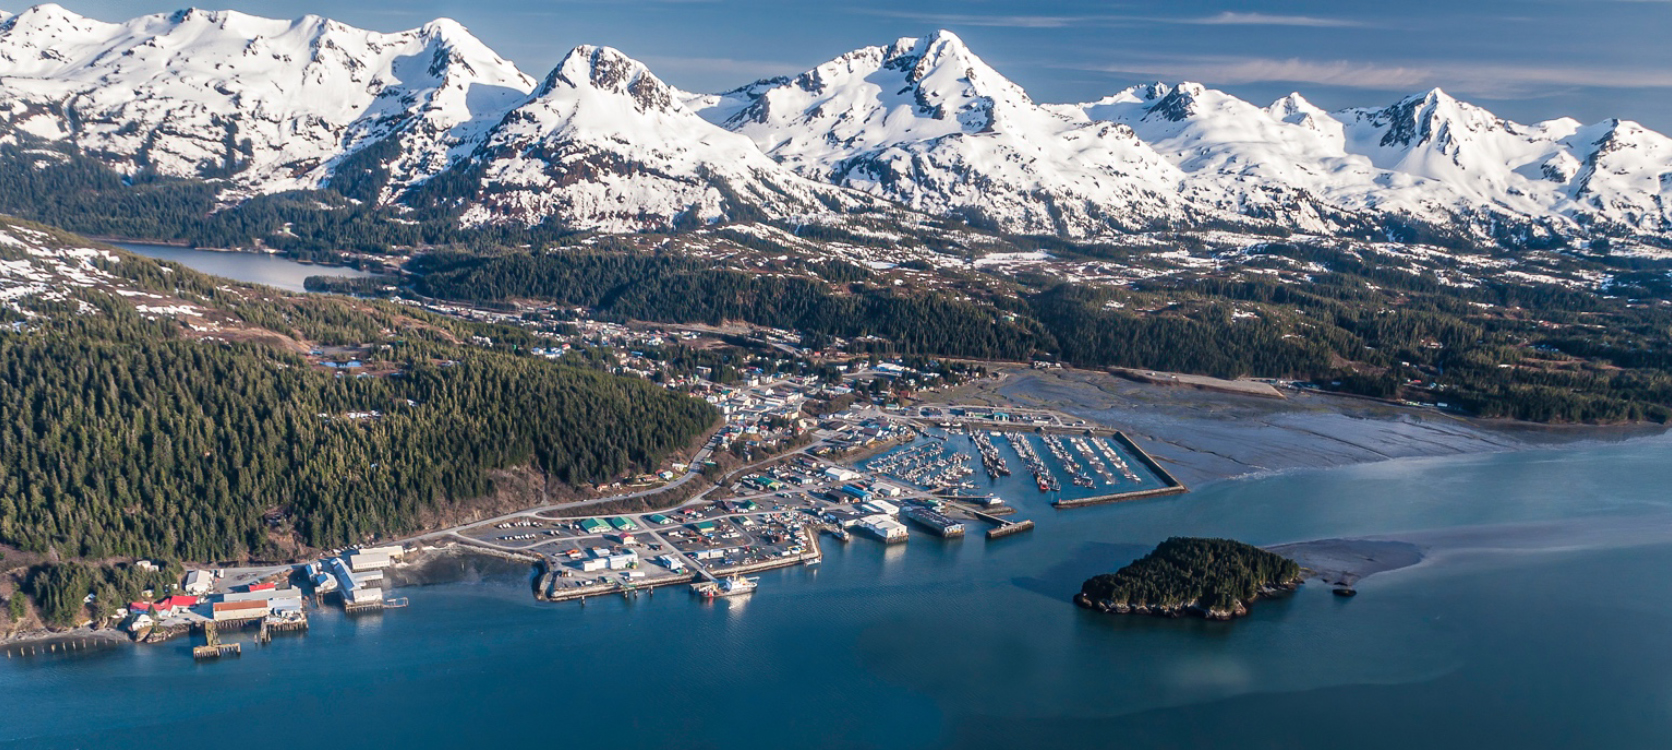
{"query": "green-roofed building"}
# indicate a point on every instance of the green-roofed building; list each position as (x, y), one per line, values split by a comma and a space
(594, 526)
(659, 519)
(705, 527)
(622, 524)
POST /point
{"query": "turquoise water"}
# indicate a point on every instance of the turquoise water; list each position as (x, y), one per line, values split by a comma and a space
(254, 268)
(1540, 621)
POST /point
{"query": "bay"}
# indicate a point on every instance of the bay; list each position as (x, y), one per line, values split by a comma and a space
(1538, 620)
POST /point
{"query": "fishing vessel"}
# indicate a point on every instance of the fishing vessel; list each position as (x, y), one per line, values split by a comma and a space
(732, 586)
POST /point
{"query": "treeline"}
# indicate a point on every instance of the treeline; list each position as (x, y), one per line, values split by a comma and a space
(138, 445)
(1212, 574)
(1356, 326)
(1528, 351)
(119, 436)
(56, 185)
(60, 589)
(1065, 322)
(677, 289)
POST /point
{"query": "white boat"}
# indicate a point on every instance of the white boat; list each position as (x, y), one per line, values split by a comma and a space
(733, 586)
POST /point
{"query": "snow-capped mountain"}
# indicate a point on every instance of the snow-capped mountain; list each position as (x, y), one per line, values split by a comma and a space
(926, 123)
(1428, 158)
(433, 118)
(271, 104)
(604, 144)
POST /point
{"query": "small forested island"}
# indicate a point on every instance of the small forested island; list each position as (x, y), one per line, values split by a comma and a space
(1215, 578)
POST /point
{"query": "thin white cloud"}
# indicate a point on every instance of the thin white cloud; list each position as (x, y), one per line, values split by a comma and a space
(1488, 80)
(1232, 18)
(726, 66)
(1235, 70)
(997, 21)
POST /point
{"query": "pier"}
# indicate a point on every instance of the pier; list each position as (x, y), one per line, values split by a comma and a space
(212, 647)
(1010, 527)
(1001, 527)
(359, 608)
(56, 646)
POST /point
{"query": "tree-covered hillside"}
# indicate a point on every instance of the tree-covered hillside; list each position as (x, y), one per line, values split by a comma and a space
(1531, 351)
(157, 412)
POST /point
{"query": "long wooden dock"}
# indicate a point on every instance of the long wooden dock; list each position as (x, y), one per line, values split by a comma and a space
(212, 647)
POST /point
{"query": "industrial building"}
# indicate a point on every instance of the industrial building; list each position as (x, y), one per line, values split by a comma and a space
(369, 559)
(856, 492)
(235, 611)
(881, 506)
(360, 590)
(936, 522)
(883, 527)
(199, 582)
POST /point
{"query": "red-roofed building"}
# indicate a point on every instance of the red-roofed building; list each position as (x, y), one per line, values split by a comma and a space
(261, 587)
(176, 603)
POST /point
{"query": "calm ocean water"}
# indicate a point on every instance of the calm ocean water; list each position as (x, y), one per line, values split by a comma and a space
(1539, 622)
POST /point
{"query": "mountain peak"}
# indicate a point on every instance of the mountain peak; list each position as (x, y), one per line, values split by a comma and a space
(48, 15)
(941, 46)
(445, 28)
(1296, 110)
(608, 70)
(942, 54)
(1180, 103)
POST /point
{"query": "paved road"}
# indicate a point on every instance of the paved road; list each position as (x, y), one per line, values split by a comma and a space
(691, 472)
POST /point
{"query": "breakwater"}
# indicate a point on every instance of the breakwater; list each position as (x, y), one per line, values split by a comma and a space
(1173, 485)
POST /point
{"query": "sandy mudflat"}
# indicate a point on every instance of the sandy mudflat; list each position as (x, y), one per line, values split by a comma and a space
(1346, 561)
(1203, 436)
(1342, 562)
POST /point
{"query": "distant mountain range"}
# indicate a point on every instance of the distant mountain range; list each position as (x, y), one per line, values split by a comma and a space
(433, 118)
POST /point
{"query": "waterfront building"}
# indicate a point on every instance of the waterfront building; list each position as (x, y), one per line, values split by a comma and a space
(244, 610)
(883, 527)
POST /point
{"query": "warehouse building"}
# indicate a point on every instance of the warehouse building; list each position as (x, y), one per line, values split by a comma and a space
(883, 527)
(236, 611)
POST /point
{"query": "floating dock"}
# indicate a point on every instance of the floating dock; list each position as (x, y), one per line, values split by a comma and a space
(1172, 485)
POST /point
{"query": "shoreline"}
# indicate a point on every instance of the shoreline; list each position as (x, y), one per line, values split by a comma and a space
(1208, 436)
(1202, 437)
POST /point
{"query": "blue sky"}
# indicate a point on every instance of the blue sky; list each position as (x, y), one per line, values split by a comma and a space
(1525, 59)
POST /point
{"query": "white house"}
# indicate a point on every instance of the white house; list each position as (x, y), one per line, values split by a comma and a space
(199, 582)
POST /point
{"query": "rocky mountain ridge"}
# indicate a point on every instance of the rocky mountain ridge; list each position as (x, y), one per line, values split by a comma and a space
(432, 118)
